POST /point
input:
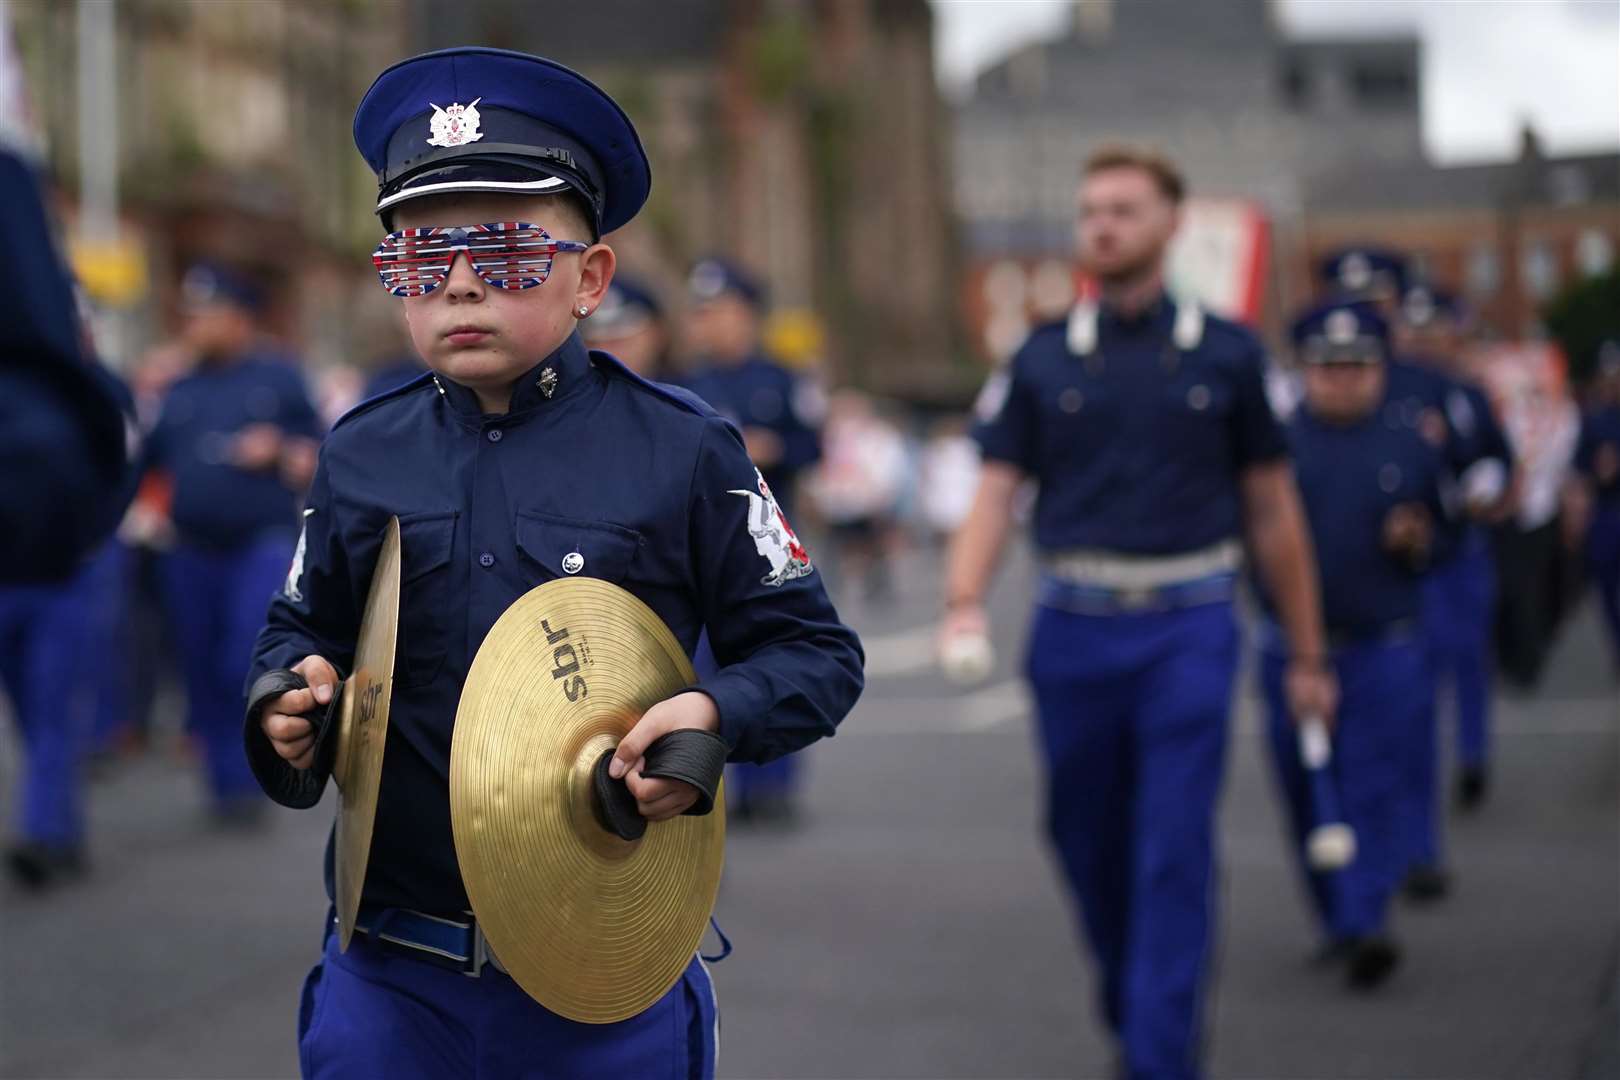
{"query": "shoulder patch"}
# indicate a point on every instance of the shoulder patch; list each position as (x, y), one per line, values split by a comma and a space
(424, 379)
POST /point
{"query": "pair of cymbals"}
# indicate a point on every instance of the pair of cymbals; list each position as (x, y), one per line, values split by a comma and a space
(594, 927)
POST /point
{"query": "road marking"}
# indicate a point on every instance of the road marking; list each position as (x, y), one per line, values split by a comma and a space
(1000, 705)
(906, 652)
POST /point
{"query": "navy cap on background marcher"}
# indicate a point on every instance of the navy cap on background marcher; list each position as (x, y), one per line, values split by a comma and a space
(206, 284)
(626, 307)
(1422, 305)
(1341, 333)
(713, 277)
(1364, 271)
(477, 119)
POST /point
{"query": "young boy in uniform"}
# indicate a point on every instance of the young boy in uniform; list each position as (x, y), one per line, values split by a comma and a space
(520, 458)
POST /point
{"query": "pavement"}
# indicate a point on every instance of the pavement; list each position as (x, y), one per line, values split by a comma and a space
(912, 924)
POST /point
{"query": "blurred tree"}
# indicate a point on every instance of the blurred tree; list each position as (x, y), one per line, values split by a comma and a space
(1582, 317)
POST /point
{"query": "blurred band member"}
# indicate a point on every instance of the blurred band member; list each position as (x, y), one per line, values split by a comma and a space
(1598, 459)
(1144, 423)
(767, 403)
(630, 324)
(237, 438)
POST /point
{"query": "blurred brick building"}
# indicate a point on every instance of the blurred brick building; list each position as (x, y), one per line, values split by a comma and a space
(232, 130)
(1320, 140)
(1506, 237)
(806, 139)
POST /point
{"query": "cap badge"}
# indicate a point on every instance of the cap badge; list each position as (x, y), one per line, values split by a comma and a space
(456, 125)
(1340, 327)
(1355, 272)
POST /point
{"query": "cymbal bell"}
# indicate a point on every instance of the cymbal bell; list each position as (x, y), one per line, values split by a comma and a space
(362, 733)
(593, 927)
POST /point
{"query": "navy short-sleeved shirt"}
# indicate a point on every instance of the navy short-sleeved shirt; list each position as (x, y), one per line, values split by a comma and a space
(1600, 428)
(650, 489)
(1461, 423)
(760, 393)
(218, 504)
(1350, 477)
(1138, 445)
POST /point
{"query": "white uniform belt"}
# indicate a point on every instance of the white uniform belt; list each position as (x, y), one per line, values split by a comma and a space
(1102, 569)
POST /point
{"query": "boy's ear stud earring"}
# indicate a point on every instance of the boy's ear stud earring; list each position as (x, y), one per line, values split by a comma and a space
(583, 311)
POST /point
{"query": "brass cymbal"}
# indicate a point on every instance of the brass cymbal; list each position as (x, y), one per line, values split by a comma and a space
(593, 927)
(363, 731)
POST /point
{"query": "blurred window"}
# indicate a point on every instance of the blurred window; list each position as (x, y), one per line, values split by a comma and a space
(1382, 85)
(1568, 185)
(1539, 269)
(1594, 252)
(1296, 86)
(1484, 270)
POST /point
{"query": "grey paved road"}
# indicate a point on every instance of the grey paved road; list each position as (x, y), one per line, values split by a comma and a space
(913, 926)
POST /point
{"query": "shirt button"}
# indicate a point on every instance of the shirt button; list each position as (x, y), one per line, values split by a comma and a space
(495, 434)
(486, 560)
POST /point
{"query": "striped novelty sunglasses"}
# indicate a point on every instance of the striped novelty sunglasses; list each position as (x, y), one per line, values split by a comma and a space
(506, 254)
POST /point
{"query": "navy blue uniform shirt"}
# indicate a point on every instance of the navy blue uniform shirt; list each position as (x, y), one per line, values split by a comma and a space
(1136, 446)
(217, 504)
(63, 450)
(1600, 428)
(654, 492)
(1350, 477)
(1469, 434)
(760, 393)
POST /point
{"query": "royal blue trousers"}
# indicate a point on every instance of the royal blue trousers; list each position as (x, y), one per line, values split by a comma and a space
(1459, 598)
(1603, 562)
(48, 661)
(371, 1012)
(1133, 714)
(216, 602)
(1382, 688)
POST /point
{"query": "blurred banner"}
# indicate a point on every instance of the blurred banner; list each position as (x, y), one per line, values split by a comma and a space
(1219, 257)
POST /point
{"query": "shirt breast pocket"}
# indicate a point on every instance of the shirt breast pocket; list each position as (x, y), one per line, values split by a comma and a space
(559, 547)
(426, 543)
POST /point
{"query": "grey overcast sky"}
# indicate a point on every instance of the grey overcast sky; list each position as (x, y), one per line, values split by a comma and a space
(1488, 64)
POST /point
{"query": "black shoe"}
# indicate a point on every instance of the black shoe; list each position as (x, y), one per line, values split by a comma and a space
(772, 811)
(1473, 783)
(39, 866)
(1426, 884)
(1372, 961)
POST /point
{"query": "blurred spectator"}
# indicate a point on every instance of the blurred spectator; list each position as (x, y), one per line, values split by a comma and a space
(857, 487)
(948, 476)
(1531, 548)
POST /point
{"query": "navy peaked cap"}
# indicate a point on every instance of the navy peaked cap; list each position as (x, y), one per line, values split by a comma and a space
(477, 119)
